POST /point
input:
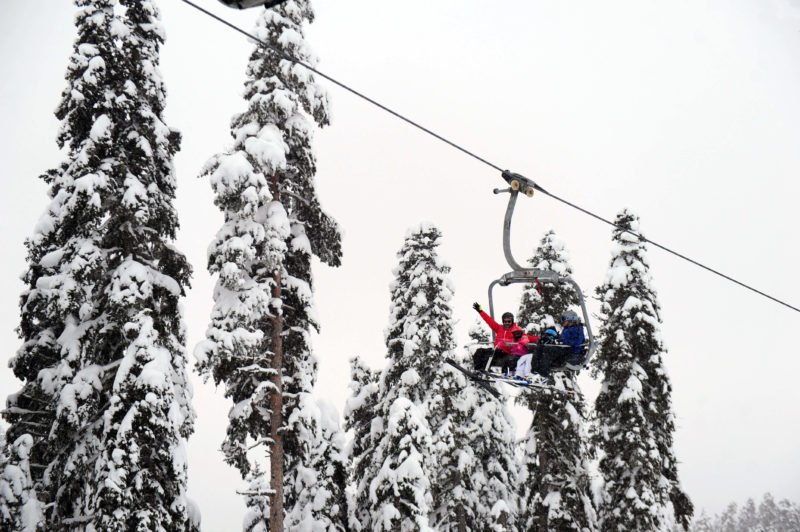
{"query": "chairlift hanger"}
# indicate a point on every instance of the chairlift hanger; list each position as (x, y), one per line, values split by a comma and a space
(246, 4)
(519, 274)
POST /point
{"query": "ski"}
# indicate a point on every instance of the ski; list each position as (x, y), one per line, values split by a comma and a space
(524, 383)
(475, 377)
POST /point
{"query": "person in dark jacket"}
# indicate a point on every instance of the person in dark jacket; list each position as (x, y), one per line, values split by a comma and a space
(555, 350)
(572, 335)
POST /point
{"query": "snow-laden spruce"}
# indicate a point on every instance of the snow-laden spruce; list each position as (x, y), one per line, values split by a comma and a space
(418, 338)
(491, 443)
(554, 483)
(539, 310)
(364, 428)
(20, 508)
(316, 484)
(258, 341)
(768, 516)
(103, 355)
(635, 422)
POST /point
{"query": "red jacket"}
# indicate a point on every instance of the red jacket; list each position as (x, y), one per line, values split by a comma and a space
(504, 338)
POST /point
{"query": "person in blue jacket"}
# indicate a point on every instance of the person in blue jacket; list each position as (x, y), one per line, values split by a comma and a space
(572, 335)
(553, 349)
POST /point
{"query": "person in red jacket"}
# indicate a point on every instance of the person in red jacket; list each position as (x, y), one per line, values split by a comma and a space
(509, 343)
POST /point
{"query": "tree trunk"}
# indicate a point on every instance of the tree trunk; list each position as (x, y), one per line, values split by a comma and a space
(276, 403)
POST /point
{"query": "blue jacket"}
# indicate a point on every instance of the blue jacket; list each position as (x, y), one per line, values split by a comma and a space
(573, 336)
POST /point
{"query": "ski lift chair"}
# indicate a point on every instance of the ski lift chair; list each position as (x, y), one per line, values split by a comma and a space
(519, 274)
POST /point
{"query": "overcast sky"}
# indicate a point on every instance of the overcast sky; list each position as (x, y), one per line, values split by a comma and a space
(684, 111)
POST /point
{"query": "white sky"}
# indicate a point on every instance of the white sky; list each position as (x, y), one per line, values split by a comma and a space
(685, 111)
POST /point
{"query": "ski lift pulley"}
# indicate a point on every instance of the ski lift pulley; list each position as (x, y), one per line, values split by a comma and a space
(246, 4)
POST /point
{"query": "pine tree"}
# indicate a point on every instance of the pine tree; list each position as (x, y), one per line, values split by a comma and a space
(492, 443)
(727, 521)
(768, 513)
(497, 473)
(317, 484)
(748, 516)
(703, 523)
(399, 492)
(451, 408)
(100, 319)
(360, 415)
(418, 338)
(555, 484)
(258, 340)
(20, 508)
(635, 423)
(788, 515)
(540, 307)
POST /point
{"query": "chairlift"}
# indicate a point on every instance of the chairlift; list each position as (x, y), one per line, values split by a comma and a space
(246, 4)
(519, 274)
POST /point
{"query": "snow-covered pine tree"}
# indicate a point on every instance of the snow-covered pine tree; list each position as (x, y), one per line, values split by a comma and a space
(538, 310)
(360, 418)
(258, 340)
(727, 521)
(555, 491)
(451, 407)
(491, 440)
(316, 486)
(418, 338)
(422, 326)
(20, 509)
(635, 423)
(768, 513)
(496, 473)
(788, 515)
(101, 318)
(748, 516)
(64, 251)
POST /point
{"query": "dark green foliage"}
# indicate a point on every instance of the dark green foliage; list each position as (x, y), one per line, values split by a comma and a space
(635, 423)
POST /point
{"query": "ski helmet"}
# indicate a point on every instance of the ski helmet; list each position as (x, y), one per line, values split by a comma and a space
(551, 332)
(570, 316)
(508, 315)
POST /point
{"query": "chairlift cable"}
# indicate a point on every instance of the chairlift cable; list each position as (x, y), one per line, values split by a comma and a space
(479, 158)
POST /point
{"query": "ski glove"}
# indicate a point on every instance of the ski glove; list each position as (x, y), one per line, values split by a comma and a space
(477, 307)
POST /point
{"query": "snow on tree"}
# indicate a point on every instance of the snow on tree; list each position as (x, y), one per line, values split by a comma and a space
(317, 484)
(788, 515)
(539, 310)
(554, 487)
(361, 422)
(422, 326)
(768, 516)
(20, 509)
(495, 474)
(748, 516)
(399, 491)
(101, 323)
(702, 523)
(727, 521)
(769, 513)
(635, 423)
(258, 341)
(418, 338)
(491, 440)
(451, 407)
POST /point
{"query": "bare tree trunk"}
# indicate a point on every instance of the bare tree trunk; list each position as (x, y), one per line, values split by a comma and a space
(276, 403)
